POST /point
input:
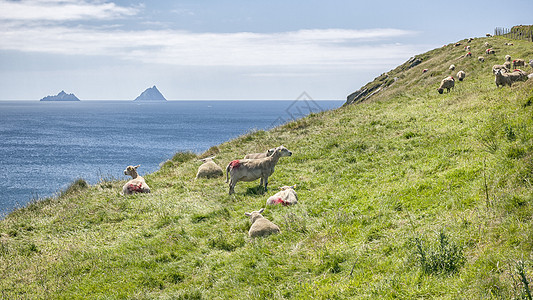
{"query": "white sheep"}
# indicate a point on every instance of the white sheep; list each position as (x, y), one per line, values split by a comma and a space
(518, 75)
(507, 57)
(452, 67)
(481, 59)
(461, 75)
(447, 83)
(507, 65)
(502, 79)
(287, 196)
(209, 169)
(531, 63)
(518, 63)
(496, 68)
(137, 184)
(260, 225)
(467, 48)
(487, 45)
(490, 51)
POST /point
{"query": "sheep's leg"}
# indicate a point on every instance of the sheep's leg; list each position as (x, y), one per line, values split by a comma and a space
(232, 186)
(266, 183)
(261, 182)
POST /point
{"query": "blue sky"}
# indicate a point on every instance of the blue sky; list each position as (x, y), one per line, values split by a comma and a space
(201, 50)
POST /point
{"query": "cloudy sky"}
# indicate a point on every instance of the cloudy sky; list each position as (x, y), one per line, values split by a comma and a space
(241, 49)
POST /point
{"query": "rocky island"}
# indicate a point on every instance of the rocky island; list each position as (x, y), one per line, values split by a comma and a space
(62, 96)
(151, 94)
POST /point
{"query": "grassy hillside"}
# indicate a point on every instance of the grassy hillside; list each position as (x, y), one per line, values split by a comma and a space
(410, 194)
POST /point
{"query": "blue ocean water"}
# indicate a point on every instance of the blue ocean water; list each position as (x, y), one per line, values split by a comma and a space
(45, 146)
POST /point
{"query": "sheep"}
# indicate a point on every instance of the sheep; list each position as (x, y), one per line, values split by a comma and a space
(425, 70)
(502, 79)
(508, 57)
(518, 75)
(469, 54)
(457, 44)
(260, 225)
(136, 184)
(461, 75)
(209, 169)
(253, 169)
(447, 83)
(509, 44)
(495, 68)
(490, 51)
(452, 67)
(467, 48)
(507, 65)
(470, 39)
(518, 63)
(488, 35)
(481, 59)
(287, 196)
(531, 63)
(260, 155)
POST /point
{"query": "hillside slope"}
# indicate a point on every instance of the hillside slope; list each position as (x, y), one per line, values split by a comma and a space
(409, 194)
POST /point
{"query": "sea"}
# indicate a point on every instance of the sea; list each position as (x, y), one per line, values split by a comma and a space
(45, 146)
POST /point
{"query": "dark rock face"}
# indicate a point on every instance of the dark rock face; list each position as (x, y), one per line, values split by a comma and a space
(151, 94)
(62, 96)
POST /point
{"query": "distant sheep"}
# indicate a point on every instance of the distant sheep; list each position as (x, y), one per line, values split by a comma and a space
(447, 83)
(502, 79)
(424, 71)
(508, 57)
(470, 39)
(452, 67)
(531, 63)
(488, 35)
(507, 65)
(467, 48)
(518, 75)
(481, 59)
(209, 169)
(461, 75)
(287, 196)
(260, 225)
(518, 63)
(490, 51)
(260, 155)
(136, 184)
(457, 44)
(509, 44)
(469, 54)
(496, 68)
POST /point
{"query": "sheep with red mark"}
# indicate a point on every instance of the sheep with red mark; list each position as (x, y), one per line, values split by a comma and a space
(137, 184)
(260, 225)
(447, 83)
(490, 51)
(518, 75)
(209, 169)
(260, 155)
(461, 75)
(469, 54)
(518, 63)
(253, 169)
(287, 196)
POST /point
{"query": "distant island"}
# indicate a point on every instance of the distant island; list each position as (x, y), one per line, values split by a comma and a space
(151, 94)
(62, 96)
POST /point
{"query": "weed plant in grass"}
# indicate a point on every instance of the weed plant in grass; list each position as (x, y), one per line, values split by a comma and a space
(375, 180)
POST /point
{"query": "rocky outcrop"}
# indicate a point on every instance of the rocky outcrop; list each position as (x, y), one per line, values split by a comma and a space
(62, 96)
(151, 94)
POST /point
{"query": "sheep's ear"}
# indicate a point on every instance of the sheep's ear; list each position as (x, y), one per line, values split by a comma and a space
(247, 214)
(261, 210)
(293, 187)
(136, 166)
(202, 160)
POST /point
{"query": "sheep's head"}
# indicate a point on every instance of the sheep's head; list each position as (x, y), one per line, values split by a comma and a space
(204, 160)
(286, 187)
(281, 151)
(255, 214)
(440, 90)
(131, 171)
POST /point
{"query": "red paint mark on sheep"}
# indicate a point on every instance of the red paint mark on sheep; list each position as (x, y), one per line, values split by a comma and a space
(235, 164)
(135, 187)
(280, 201)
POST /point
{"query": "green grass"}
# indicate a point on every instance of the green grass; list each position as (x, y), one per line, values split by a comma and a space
(409, 195)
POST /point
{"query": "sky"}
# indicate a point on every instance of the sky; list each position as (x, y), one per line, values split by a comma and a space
(224, 50)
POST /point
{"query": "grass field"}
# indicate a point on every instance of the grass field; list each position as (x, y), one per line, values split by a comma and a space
(410, 194)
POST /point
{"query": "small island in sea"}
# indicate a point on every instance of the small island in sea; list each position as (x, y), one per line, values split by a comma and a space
(151, 94)
(62, 96)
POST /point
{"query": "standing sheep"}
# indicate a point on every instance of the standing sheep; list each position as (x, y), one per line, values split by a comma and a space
(507, 57)
(447, 83)
(461, 75)
(260, 225)
(209, 169)
(136, 184)
(469, 54)
(502, 79)
(287, 196)
(518, 63)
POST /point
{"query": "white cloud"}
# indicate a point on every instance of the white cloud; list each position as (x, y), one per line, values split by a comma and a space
(62, 10)
(173, 47)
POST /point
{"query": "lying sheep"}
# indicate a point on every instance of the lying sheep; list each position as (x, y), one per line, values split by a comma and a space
(287, 196)
(260, 225)
(509, 44)
(469, 54)
(260, 155)
(467, 48)
(487, 45)
(508, 57)
(447, 83)
(452, 67)
(518, 75)
(253, 169)
(518, 63)
(209, 169)
(502, 79)
(495, 68)
(136, 184)
(490, 51)
(481, 59)
(461, 75)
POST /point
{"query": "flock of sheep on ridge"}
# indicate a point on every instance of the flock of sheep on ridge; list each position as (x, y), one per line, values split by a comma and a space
(502, 73)
(261, 165)
(254, 166)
